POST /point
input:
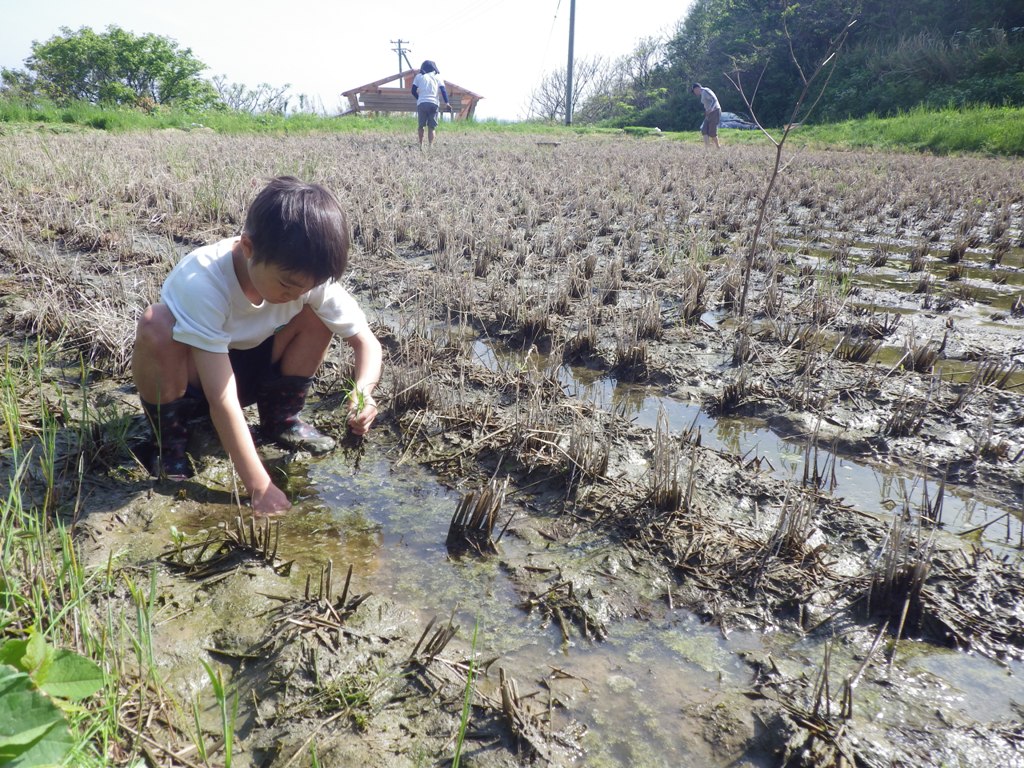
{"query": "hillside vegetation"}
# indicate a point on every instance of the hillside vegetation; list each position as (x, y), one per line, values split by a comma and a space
(927, 75)
(897, 56)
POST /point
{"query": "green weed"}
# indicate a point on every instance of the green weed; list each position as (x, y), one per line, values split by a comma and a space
(989, 130)
(49, 635)
(38, 684)
(467, 700)
(228, 710)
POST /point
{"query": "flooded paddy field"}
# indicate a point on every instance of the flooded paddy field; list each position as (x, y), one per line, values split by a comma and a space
(787, 536)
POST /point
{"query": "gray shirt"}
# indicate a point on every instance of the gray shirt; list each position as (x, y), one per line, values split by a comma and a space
(708, 99)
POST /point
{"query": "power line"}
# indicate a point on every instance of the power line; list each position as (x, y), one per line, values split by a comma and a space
(547, 46)
(402, 53)
(568, 69)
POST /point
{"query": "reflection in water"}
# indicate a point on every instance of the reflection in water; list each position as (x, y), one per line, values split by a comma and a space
(629, 690)
(638, 692)
(866, 488)
(869, 489)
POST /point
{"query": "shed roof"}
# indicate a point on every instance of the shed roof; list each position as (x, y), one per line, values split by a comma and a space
(379, 96)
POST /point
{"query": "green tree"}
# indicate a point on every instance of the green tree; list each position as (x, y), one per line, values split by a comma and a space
(118, 67)
(632, 86)
(17, 85)
(760, 39)
(886, 20)
(979, 67)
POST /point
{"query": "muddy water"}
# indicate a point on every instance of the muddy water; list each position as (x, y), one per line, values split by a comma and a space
(643, 693)
(875, 490)
(631, 691)
(989, 284)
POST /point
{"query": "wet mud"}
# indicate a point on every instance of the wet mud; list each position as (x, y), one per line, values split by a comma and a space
(690, 535)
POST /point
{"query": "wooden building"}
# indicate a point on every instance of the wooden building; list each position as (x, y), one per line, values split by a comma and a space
(379, 96)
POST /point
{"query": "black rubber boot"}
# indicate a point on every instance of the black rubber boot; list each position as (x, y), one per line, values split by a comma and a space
(279, 402)
(170, 430)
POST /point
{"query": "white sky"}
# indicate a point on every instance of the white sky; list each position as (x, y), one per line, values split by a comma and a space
(497, 48)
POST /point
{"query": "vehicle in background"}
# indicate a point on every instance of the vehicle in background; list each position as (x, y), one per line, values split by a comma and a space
(736, 120)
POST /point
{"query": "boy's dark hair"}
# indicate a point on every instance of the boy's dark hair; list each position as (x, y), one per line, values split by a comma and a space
(299, 227)
(429, 66)
(696, 85)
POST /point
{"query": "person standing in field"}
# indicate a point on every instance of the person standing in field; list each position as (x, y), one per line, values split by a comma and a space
(712, 113)
(428, 89)
(249, 320)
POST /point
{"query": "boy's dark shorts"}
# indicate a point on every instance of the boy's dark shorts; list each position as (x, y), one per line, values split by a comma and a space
(427, 114)
(252, 367)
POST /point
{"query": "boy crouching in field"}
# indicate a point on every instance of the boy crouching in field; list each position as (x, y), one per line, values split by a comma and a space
(249, 320)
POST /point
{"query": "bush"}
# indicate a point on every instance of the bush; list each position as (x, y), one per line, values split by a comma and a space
(982, 67)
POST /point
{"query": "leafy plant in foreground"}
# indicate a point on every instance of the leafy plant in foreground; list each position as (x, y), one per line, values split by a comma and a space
(37, 685)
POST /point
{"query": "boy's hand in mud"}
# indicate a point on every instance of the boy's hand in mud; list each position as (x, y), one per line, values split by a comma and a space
(362, 410)
(269, 501)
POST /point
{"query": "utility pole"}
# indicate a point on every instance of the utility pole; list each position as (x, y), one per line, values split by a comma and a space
(402, 53)
(568, 69)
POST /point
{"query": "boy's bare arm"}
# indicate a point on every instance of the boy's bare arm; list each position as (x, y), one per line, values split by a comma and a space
(218, 382)
(368, 360)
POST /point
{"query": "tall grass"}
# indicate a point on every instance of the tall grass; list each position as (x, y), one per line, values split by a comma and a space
(44, 588)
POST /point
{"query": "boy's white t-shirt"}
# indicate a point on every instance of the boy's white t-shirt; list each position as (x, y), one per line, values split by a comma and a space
(213, 314)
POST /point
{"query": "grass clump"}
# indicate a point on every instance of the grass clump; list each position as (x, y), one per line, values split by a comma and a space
(44, 591)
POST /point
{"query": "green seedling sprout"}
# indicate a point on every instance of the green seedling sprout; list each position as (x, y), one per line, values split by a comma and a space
(467, 700)
(355, 395)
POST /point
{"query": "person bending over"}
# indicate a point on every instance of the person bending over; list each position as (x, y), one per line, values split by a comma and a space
(712, 113)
